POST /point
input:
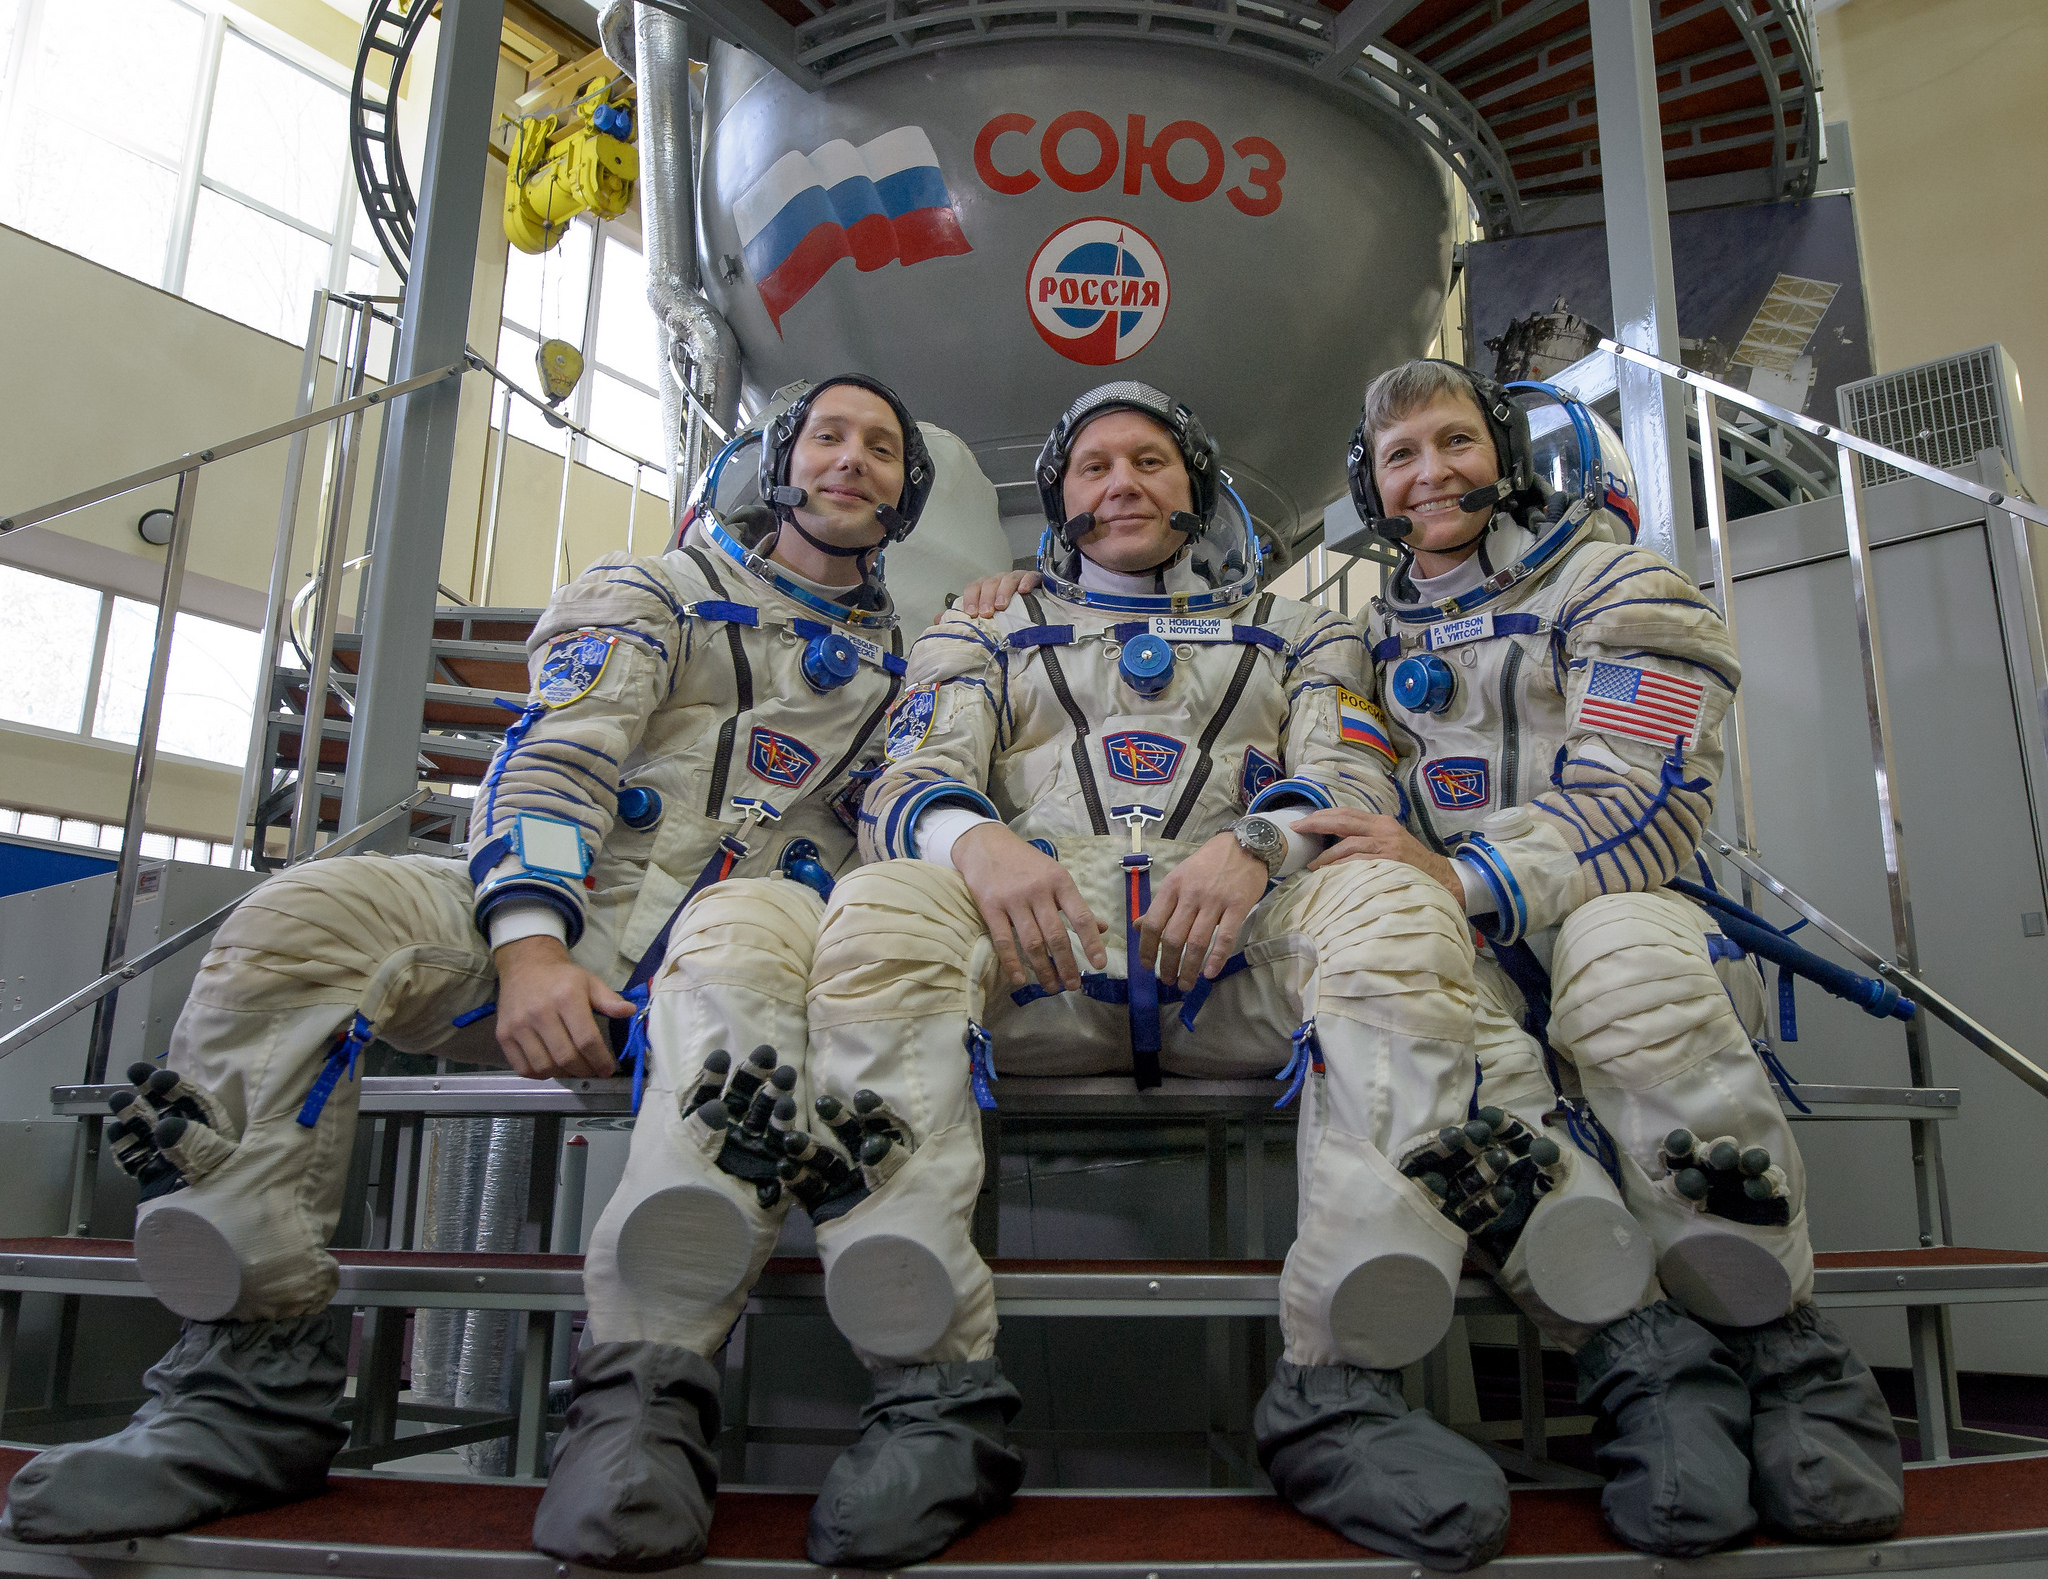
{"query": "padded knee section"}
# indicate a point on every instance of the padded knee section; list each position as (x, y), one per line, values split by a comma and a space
(1673, 1433)
(933, 1461)
(1343, 1447)
(1392, 948)
(634, 1475)
(1827, 1458)
(240, 1417)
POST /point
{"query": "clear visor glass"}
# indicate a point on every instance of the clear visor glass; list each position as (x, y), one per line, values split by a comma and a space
(1555, 454)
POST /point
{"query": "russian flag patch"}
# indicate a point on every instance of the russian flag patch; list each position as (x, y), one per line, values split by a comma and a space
(1359, 723)
(883, 202)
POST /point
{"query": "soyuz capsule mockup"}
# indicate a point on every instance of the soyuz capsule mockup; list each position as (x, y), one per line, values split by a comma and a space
(994, 228)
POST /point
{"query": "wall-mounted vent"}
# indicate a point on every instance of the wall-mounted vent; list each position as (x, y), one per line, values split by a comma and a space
(1944, 412)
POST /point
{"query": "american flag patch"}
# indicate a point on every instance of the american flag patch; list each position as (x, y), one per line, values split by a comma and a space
(1358, 724)
(1642, 704)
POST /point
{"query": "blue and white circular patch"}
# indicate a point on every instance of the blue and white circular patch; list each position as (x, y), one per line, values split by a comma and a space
(910, 721)
(572, 668)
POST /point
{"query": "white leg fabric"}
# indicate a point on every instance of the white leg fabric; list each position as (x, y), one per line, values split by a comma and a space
(391, 940)
(1639, 1009)
(681, 1242)
(903, 964)
(1582, 1261)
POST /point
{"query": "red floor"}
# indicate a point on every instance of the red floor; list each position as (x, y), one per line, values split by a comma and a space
(1954, 1499)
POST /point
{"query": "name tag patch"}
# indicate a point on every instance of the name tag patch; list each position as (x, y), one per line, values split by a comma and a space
(779, 759)
(1459, 783)
(572, 668)
(1360, 723)
(1453, 633)
(1137, 756)
(1188, 628)
(910, 720)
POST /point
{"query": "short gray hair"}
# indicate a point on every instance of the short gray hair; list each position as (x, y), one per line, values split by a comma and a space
(1402, 391)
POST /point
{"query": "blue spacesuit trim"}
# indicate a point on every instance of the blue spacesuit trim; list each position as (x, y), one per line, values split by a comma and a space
(762, 566)
(1508, 903)
(643, 582)
(1042, 636)
(729, 613)
(1291, 792)
(482, 861)
(529, 887)
(1671, 777)
(909, 808)
(1719, 678)
(1527, 566)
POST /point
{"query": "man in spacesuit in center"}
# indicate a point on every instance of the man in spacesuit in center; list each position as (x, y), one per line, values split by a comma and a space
(1556, 695)
(1127, 754)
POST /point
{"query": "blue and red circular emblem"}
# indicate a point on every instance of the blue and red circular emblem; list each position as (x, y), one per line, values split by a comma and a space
(1098, 291)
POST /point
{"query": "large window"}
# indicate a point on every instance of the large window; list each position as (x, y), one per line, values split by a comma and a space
(591, 290)
(75, 661)
(160, 139)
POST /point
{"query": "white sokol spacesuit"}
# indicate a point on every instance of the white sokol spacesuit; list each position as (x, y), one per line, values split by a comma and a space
(701, 719)
(1071, 717)
(1556, 702)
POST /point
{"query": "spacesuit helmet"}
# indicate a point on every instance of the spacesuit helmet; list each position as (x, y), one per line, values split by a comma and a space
(1563, 476)
(1197, 452)
(1223, 547)
(779, 438)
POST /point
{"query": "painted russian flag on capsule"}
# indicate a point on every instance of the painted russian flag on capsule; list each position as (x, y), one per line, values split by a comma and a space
(883, 202)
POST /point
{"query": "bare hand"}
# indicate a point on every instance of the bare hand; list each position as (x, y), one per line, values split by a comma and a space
(1198, 911)
(1028, 901)
(992, 594)
(1369, 833)
(546, 1025)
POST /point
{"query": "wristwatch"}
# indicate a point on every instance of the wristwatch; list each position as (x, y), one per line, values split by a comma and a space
(1264, 838)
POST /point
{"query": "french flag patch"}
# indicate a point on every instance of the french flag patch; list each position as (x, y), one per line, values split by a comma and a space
(883, 202)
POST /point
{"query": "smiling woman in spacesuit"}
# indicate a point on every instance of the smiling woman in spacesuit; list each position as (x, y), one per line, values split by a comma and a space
(1556, 695)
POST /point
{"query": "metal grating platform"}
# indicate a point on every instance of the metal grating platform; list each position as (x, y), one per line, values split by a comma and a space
(1959, 1518)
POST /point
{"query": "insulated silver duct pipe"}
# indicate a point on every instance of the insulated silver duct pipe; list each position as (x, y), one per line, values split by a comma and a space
(485, 1376)
(699, 356)
(456, 1149)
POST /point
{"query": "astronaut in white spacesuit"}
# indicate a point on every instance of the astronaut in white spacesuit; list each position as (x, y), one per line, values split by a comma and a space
(1555, 697)
(702, 722)
(1136, 746)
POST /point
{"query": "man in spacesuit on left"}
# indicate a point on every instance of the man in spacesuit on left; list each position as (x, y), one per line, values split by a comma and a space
(701, 723)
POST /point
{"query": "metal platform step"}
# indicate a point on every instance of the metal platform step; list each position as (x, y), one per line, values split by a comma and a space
(1972, 1518)
(428, 1279)
(447, 1096)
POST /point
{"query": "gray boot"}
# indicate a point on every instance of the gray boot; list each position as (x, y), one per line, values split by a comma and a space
(1827, 1458)
(1673, 1434)
(933, 1461)
(241, 1416)
(1343, 1447)
(633, 1476)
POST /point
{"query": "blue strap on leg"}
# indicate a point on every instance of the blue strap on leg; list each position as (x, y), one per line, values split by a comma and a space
(634, 1053)
(1591, 1136)
(1782, 1077)
(341, 1061)
(1144, 1006)
(981, 1066)
(1308, 1055)
(1192, 1000)
(474, 1015)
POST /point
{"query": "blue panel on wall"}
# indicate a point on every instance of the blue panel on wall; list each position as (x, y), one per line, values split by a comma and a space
(24, 866)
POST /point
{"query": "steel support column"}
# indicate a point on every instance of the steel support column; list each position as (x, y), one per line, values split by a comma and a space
(419, 455)
(1639, 270)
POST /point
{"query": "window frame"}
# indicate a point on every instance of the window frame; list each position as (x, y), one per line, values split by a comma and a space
(96, 674)
(218, 18)
(609, 232)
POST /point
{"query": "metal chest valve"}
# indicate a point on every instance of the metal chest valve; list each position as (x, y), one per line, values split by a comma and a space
(1424, 683)
(1146, 664)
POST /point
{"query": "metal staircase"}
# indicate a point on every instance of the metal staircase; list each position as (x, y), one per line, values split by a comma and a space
(478, 683)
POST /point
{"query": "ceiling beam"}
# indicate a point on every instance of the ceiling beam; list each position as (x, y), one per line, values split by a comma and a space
(1357, 25)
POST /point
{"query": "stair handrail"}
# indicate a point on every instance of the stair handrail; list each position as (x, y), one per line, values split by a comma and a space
(150, 958)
